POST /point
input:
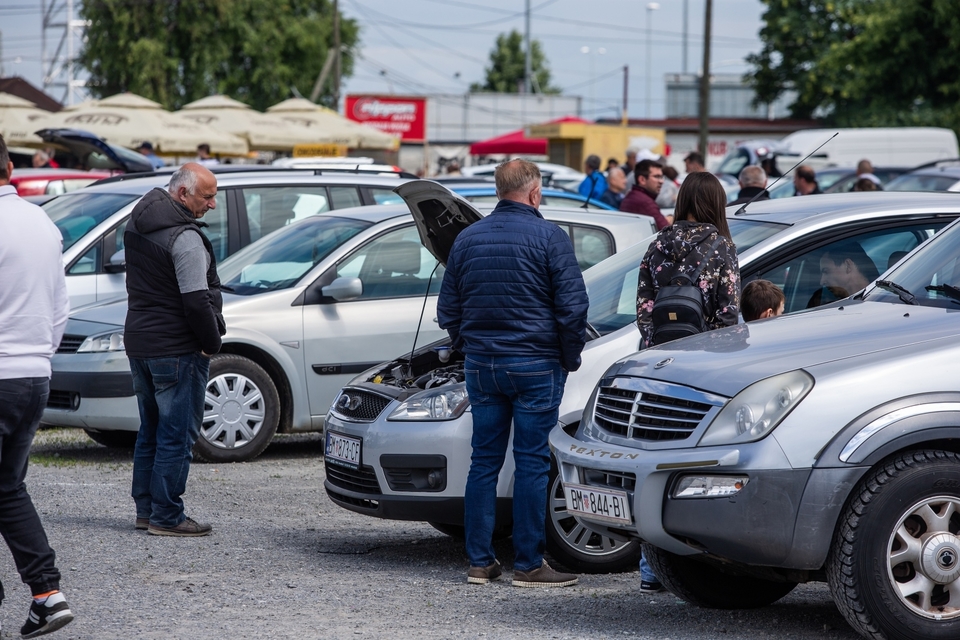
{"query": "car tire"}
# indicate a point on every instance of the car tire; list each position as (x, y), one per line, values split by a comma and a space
(576, 547)
(706, 585)
(241, 411)
(901, 531)
(114, 439)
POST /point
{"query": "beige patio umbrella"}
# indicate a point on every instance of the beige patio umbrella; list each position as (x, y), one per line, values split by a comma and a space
(127, 120)
(306, 114)
(19, 118)
(262, 131)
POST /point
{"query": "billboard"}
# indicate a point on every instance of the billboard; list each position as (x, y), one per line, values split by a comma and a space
(404, 116)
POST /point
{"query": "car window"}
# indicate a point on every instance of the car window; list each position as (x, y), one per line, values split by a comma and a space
(278, 262)
(394, 265)
(216, 229)
(344, 197)
(76, 214)
(270, 208)
(746, 233)
(491, 199)
(932, 275)
(808, 282)
(565, 203)
(919, 182)
(88, 263)
(591, 245)
(385, 196)
(734, 162)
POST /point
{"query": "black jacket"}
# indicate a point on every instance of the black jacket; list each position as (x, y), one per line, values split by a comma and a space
(746, 195)
(161, 321)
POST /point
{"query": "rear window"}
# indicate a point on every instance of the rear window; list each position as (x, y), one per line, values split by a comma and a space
(76, 215)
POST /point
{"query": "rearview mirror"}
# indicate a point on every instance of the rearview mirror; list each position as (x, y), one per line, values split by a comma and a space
(117, 264)
(343, 289)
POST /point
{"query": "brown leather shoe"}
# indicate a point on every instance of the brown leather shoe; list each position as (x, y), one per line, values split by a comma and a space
(543, 576)
(189, 528)
(483, 575)
(142, 523)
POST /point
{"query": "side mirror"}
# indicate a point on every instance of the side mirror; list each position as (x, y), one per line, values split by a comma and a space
(117, 264)
(343, 289)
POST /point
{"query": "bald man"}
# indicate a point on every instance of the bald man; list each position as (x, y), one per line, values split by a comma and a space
(173, 327)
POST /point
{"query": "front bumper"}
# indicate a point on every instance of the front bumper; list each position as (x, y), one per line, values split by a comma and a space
(758, 526)
(92, 391)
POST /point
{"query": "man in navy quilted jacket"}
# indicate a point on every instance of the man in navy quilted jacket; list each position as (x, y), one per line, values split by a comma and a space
(514, 303)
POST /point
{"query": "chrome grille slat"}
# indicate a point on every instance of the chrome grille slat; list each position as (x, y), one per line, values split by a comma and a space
(638, 414)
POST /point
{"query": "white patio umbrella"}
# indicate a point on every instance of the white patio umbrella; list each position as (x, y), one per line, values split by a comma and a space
(19, 118)
(306, 114)
(262, 131)
(127, 120)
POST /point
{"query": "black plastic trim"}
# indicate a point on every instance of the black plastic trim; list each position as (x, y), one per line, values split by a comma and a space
(94, 385)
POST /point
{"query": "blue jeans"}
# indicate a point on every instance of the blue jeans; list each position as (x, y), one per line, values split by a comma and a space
(525, 391)
(646, 573)
(170, 393)
(21, 404)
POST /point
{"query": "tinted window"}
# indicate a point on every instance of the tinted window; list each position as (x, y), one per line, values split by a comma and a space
(385, 196)
(747, 233)
(76, 215)
(344, 197)
(917, 182)
(279, 261)
(216, 229)
(932, 275)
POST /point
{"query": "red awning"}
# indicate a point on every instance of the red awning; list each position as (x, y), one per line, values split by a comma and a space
(515, 143)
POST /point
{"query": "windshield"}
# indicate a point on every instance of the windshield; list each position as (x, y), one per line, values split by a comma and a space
(919, 182)
(280, 259)
(612, 284)
(75, 215)
(734, 162)
(932, 275)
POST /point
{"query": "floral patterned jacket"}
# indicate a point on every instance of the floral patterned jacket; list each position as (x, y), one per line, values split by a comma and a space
(680, 248)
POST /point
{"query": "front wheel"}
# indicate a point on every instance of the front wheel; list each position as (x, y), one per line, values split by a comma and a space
(894, 566)
(707, 585)
(241, 411)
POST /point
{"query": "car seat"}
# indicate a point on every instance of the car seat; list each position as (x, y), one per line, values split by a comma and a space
(391, 270)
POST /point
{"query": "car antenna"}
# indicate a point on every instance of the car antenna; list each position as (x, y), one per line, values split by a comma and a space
(750, 201)
(416, 336)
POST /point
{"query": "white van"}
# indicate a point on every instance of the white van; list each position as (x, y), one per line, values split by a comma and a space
(883, 146)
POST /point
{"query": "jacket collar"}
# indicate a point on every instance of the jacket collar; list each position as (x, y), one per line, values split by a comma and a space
(512, 206)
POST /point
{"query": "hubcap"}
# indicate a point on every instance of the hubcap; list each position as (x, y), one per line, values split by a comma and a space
(924, 558)
(233, 411)
(574, 534)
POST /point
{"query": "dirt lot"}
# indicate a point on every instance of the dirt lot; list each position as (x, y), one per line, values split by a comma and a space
(284, 562)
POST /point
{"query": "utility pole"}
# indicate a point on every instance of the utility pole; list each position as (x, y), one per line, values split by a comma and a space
(651, 7)
(626, 83)
(527, 60)
(686, 30)
(336, 63)
(705, 82)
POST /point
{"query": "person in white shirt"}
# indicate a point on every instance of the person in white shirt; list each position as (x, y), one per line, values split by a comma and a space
(33, 314)
(203, 156)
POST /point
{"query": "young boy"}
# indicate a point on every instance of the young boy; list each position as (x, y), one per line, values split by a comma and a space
(761, 299)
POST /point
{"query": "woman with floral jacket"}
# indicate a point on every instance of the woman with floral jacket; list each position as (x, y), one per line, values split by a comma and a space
(699, 233)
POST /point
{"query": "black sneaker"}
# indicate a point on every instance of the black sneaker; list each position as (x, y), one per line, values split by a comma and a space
(53, 614)
(483, 575)
(189, 528)
(651, 587)
(543, 576)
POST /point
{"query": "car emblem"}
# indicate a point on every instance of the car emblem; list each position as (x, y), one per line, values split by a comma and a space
(947, 559)
(347, 402)
(663, 363)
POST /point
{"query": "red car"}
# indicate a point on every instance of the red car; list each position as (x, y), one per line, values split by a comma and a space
(37, 182)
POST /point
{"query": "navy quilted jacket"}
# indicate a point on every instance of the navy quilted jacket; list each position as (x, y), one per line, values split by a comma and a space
(513, 288)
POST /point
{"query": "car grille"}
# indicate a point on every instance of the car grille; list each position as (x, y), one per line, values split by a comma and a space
(362, 480)
(70, 344)
(367, 405)
(609, 479)
(61, 400)
(647, 416)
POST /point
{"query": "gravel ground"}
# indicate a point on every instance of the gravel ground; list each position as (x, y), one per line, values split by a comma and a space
(285, 562)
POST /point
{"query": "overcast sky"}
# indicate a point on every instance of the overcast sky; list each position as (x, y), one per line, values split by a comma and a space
(434, 46)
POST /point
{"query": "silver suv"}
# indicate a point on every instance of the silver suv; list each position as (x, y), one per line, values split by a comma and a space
(821, 446)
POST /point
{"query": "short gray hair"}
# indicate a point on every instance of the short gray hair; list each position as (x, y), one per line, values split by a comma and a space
(514, 175)
(753, 176)
(183, 177)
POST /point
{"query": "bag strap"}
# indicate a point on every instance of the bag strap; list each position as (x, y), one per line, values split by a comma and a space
(703, 263)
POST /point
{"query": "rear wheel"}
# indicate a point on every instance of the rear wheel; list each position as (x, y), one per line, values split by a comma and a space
(113, 439)
(241, 411)
(706, 585)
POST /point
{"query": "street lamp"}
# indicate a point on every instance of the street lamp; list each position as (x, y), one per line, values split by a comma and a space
(651, 7)
(600, 52)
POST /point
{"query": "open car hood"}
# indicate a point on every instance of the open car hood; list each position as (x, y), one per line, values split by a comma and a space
(94, 152)
(440, 214)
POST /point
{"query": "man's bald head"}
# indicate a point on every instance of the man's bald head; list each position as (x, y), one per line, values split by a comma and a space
(753, 176)
(520, 181)
(195, 187)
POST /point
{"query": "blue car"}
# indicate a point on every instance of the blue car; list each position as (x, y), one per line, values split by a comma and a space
(551, 197)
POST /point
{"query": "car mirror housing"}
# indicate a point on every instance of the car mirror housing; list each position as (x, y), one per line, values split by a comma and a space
(117, 263)
(343, 289)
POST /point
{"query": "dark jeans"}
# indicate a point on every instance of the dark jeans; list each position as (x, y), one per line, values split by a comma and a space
(170, 393)
(525, 391)
(21, 403)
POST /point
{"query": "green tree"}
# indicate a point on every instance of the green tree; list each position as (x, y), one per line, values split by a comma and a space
(177, 51)
(507, 62)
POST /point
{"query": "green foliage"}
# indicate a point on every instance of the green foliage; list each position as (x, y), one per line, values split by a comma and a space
(507, 62)
(177, 51)
(863, 62)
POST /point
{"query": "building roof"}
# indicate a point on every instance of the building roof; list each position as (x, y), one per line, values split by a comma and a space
(19, 87)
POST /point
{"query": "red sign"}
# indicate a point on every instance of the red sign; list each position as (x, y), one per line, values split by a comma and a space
(404, 116)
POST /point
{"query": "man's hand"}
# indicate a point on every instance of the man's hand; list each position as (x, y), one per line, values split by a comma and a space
(205, 354)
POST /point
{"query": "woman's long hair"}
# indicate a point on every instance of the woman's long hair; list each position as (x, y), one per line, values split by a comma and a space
(703, 199)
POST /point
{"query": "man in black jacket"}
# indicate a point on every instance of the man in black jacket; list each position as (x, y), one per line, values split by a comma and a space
(173, 327)
(753, 183)
(514, 303)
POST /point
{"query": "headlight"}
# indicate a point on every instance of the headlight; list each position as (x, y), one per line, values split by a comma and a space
(758, 409)
(442, 403)
(112, 341)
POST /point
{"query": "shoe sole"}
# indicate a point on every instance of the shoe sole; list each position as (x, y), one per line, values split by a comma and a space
(141, 527)
(543, 585)
(473, 580)
(59, 622)
(177, 534)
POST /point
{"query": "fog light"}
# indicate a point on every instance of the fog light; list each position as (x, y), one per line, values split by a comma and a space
(435, 478)
(709, 486)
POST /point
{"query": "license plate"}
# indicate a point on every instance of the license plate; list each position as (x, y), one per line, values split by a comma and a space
(343, 450)
(597, 504)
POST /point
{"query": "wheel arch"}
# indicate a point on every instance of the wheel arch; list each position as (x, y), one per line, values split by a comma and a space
(276, 373)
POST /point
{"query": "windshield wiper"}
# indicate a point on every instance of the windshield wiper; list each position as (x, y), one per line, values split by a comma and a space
(903, 293)
(948, 290)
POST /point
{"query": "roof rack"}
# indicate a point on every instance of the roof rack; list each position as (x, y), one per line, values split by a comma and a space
(259, 168)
